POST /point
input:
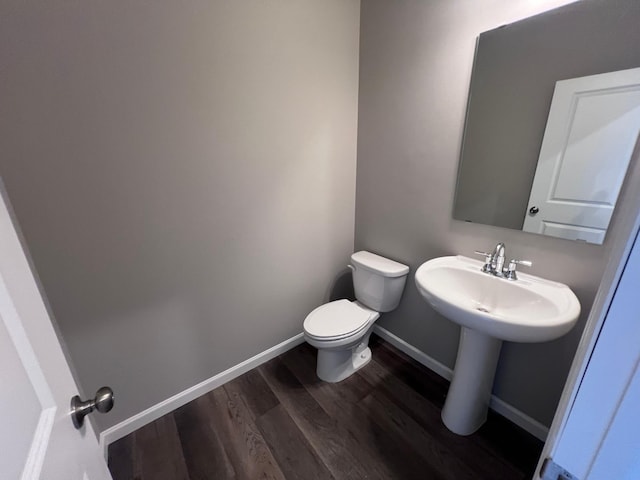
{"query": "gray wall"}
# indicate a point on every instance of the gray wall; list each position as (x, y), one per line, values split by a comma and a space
(415, 69)
(184, 176)
(516, 68)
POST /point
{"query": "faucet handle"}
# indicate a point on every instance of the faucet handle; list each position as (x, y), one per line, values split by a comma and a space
(510, 274)
(488, 257)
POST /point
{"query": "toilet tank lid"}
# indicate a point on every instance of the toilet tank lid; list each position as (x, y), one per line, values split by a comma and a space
(378, 264)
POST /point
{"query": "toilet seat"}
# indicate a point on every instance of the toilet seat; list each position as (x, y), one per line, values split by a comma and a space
(337, 320)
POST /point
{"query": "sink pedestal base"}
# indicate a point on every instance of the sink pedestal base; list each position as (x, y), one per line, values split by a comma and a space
(467, 403)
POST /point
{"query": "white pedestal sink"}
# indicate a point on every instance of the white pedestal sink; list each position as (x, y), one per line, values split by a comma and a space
(489, 309)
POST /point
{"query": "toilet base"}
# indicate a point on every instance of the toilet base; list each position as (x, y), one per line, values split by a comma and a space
(334, 365)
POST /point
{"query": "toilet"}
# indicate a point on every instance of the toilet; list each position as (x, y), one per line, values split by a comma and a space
(340, 330)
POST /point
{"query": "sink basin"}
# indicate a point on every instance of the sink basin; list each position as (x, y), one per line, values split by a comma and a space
(530, 309)
(490, 310)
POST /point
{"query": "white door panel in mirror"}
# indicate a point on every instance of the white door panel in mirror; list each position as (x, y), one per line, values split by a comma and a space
(591, 132)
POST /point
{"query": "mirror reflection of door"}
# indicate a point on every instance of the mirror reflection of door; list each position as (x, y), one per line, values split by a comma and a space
(591, 133)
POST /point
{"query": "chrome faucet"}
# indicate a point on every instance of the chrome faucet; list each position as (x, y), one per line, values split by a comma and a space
(494, 263)
(497, 259)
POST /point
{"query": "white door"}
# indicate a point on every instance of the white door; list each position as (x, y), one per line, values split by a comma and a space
(37, 438)
(590, 135)
(600, 438)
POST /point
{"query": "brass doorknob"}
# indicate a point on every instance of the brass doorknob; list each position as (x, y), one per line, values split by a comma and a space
(80, 409)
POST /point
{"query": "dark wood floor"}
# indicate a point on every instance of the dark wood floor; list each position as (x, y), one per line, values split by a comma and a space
(280, 422)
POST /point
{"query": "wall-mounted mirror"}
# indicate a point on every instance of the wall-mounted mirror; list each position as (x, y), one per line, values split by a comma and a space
(552, 120)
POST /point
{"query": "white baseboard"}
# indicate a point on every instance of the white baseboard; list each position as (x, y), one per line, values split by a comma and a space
(521, 419)
(418, 355)
(156, 411)
(524, 421)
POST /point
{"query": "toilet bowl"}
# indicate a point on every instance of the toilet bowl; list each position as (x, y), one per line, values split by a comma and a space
(340, 330)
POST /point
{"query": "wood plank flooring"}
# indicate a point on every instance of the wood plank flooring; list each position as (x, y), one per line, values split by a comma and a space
(279, 421)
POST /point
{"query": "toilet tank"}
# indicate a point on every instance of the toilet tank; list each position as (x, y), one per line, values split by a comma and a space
(378, 282)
